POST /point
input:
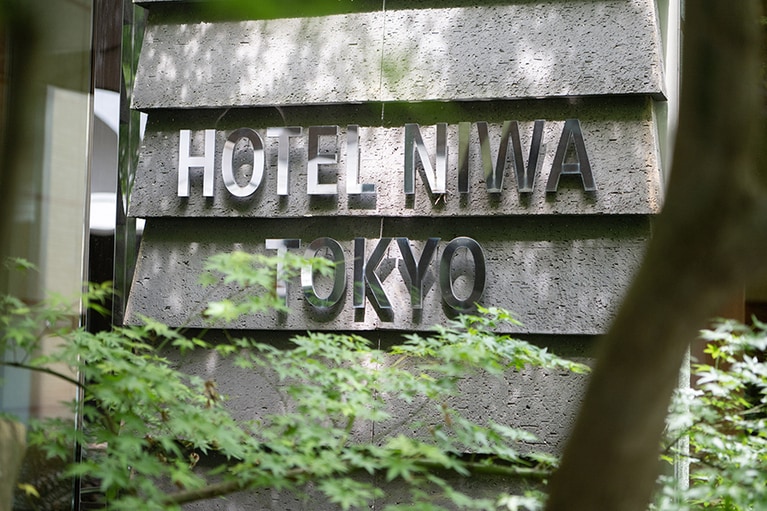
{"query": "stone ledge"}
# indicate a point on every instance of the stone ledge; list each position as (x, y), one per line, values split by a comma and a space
(526, 50)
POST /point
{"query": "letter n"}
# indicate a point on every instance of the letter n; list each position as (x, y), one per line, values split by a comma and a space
(436, 176)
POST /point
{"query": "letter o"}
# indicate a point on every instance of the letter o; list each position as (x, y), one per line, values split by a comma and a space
(445, 268)
(227, 171)
(339, 277)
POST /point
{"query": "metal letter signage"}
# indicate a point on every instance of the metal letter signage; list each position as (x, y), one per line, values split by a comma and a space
(578, 165)
(571, 159)
(460, 271)
(365, 276)
(367, 282)
(339, 272)
(283, 155)
(227, 171)
(417, 271)
(315, 159)
(446, 282)
(186, 162)
(458, 176)
(353, 185)
(436, 176)
(282, 246)
(525, 174)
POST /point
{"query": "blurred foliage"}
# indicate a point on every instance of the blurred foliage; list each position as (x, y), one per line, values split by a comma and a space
(724, 417)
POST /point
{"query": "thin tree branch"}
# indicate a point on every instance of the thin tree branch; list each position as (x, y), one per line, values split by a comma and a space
(208, 492)
(228, 487)
(46, 371)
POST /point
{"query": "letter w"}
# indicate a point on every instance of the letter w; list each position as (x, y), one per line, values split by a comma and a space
(525, 174)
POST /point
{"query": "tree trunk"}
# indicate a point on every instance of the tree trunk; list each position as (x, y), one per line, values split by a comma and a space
(709, 240)
(13, 444)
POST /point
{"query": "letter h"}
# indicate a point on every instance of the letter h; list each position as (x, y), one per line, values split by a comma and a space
(186, 162)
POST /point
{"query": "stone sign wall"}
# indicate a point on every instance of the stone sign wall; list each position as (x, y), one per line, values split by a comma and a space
(515, 145)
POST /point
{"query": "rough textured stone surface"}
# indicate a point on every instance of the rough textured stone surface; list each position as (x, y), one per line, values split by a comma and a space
(513, 400)
(509, 399)
(619, 134)
(560, 262)
(525, 50)
(565, 275)
(481, 486)
(311, 499)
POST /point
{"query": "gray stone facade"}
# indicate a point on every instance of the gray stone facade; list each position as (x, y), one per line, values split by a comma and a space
(449, 53)
(619, 134)
(559, 260)
(558, 275)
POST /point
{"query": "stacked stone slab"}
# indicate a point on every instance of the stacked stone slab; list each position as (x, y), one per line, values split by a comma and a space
(560, 260)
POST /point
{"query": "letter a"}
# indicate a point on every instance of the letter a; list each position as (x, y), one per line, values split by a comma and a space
(571, 135)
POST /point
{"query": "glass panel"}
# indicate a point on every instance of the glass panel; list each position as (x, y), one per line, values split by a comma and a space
(47, 136)
(131, 130)
(46, 141)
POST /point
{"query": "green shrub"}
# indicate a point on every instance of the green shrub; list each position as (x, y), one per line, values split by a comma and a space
(724, 419)
(147, 421)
